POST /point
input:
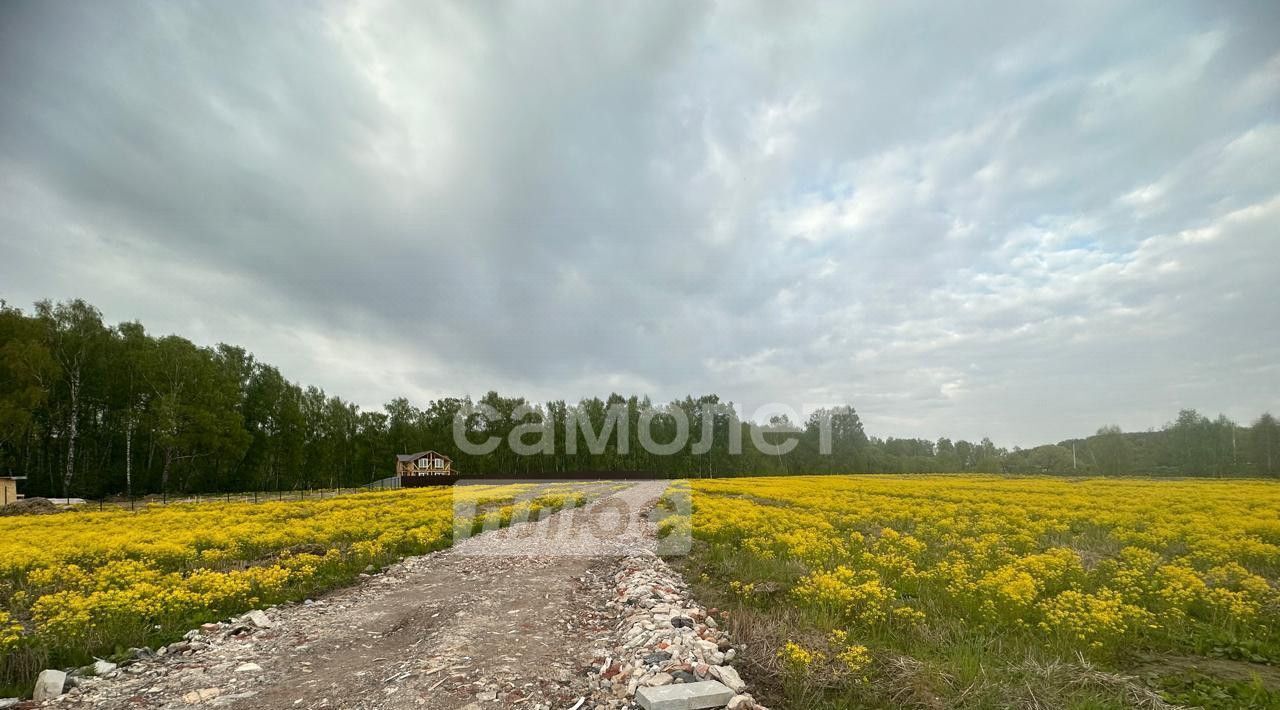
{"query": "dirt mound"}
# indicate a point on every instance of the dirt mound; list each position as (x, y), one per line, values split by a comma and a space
(29, 506)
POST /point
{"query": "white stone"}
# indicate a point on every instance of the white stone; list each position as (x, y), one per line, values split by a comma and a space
(49, 684)
(248, 668)
(258, 618)
(101, 667)
(660, 679)
(685, 696)
(196, 697)
(730, 677)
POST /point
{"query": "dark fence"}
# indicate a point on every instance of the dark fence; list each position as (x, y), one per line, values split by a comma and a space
(426, 481)
(566, 477)
(541, 476)
(390, 483)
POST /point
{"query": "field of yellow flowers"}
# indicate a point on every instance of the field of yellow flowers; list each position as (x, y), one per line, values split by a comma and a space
(988, 591)
(85, 583)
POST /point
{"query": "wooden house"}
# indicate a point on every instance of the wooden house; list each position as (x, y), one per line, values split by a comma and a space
(419, 468)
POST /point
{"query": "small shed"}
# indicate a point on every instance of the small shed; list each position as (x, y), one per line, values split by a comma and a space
(9, 489)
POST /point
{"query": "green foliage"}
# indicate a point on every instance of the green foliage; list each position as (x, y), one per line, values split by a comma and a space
(1201, 690)
(93, 410)
(1110, 451)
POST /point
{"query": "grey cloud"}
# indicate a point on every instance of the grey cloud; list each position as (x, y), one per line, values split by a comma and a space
(966, 220)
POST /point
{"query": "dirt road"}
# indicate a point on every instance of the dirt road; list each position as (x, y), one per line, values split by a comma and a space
(505, 619)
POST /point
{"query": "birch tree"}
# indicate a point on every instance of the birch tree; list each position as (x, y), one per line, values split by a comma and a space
(75, 334)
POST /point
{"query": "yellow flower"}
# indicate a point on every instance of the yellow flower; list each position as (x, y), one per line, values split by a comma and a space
(799, 658)
(855, 658)
(90, 580)
(10, 632)
(1087, 564)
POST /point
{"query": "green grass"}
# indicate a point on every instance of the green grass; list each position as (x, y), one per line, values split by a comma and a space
(950, 663)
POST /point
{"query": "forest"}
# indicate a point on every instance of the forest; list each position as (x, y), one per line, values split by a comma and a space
(92, 410)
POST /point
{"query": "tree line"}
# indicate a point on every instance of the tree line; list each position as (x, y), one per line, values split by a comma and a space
(1190, 445)
(91, 409)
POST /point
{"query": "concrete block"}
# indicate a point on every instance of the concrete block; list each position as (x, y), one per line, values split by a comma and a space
(685, 696)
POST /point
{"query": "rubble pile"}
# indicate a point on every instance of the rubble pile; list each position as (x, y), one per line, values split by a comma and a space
(664, 638)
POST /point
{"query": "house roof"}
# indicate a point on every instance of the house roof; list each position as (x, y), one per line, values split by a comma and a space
(414, 457)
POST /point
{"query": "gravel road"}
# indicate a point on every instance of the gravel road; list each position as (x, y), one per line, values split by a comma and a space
(613, 526)
(506, 618)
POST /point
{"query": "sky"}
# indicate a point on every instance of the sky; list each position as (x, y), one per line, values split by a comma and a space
(1016, 220)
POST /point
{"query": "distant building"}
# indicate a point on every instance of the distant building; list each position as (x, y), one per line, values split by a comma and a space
(424, 468)
(9, 489)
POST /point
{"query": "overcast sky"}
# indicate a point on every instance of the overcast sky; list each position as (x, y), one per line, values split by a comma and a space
(1020, 220)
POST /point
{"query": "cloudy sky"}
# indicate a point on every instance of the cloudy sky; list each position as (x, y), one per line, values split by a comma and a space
(1020, 220)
